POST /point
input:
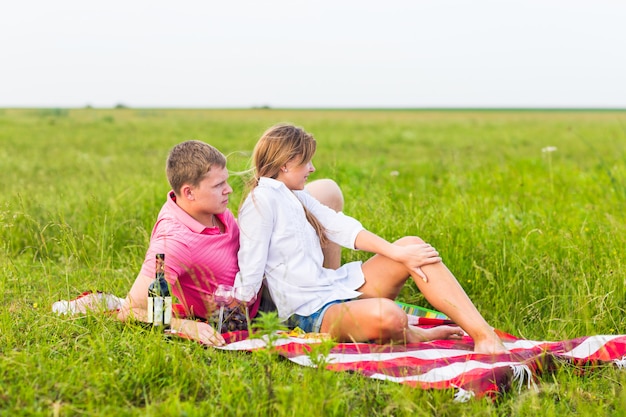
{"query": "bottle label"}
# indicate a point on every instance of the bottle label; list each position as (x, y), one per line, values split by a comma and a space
(167, 310)
(158, 311)
(150, 310)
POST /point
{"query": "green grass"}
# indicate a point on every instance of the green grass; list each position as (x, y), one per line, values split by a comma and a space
(536, 239)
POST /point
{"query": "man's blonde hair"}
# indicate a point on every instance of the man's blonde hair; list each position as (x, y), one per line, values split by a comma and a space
(190, 161)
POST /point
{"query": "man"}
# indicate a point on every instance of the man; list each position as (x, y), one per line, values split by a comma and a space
(200, 239)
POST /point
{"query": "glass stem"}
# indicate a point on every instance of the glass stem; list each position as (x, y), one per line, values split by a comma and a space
(248, 319)
(220, 320)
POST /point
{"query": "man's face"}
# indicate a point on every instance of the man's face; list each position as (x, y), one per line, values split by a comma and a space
(211, 194)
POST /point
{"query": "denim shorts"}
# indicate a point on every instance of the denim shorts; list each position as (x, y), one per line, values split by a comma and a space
(312, 323)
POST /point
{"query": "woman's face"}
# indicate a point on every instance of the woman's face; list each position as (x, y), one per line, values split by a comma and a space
(294, 174)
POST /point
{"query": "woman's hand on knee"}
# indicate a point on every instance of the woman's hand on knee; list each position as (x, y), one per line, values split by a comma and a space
(418, 255)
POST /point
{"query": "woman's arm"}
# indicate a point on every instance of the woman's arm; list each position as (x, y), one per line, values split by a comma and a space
(340, 229)
(256, 224)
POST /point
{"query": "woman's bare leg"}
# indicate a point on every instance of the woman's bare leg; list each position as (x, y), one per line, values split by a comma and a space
(385, 277)
(378, 319)
(445, 294)
(327, 192)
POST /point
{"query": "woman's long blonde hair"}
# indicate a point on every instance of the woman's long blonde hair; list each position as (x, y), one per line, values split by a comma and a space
(280, 144)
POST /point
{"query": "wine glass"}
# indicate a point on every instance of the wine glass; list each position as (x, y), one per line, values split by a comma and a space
(223, 296)
(245, 294)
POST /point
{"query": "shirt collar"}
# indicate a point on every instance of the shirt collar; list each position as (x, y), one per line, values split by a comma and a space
(270, 182)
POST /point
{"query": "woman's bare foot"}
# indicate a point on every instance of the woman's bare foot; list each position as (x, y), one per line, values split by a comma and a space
(490, 344)
(418, 334)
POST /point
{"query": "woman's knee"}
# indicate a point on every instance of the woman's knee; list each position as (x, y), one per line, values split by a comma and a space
(327, 192)
(409, 240)
(390, 315)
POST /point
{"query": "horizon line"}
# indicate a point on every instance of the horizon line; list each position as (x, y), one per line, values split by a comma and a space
(312, 108)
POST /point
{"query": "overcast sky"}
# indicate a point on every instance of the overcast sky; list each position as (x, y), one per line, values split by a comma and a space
(319, 53)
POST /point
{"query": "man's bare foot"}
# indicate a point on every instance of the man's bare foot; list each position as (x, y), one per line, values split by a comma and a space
(418, 334)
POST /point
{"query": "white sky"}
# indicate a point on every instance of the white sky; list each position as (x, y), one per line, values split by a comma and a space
(318, 53)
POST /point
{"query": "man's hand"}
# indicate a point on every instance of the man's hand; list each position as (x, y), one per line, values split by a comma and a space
(199, 331)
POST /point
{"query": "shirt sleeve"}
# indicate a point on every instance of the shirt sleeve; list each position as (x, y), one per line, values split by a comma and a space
(176, 252)
(256, 224)
(340, 228)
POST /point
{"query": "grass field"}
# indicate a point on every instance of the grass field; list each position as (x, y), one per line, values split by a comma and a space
(535, 237)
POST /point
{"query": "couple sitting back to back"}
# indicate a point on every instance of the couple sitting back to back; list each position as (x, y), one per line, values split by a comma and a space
(289, 237)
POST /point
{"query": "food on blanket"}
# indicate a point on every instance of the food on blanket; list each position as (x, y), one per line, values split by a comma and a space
(317, 336)
(298, 332)
(159, 297)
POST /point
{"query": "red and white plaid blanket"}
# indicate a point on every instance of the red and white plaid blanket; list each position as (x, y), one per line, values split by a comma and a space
(450, 364)
(439, 364)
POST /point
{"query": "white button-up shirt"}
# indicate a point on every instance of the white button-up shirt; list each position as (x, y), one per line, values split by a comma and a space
(278, 243)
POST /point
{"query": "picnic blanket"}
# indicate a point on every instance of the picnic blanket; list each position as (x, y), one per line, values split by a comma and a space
(438, 364)
(449, 364)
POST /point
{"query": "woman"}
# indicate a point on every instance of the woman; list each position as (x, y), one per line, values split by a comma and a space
(283, 231)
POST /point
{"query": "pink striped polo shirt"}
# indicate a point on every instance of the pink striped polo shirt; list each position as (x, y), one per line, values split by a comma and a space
(197, 258)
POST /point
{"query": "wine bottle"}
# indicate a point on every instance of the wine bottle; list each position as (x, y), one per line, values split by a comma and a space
(159, 297)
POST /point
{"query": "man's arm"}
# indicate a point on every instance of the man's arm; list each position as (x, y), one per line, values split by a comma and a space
(135, 307)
